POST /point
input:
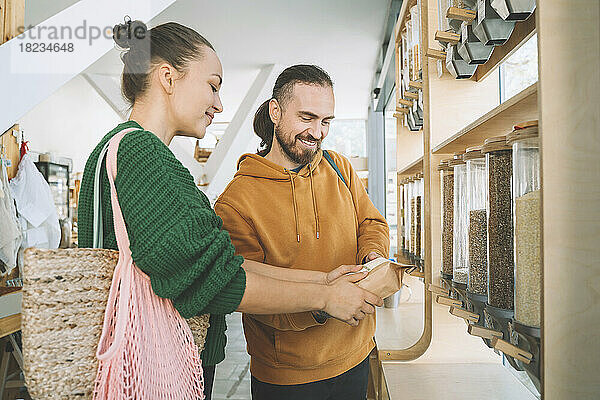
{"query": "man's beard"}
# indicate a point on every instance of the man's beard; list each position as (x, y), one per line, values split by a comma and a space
(293, 150)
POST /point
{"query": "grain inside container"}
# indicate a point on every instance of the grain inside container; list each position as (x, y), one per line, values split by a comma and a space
(527, 222)
(447, 213)
(500, 223)
(477, 221)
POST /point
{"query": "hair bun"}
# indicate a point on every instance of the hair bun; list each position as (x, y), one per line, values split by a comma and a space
(128, 34)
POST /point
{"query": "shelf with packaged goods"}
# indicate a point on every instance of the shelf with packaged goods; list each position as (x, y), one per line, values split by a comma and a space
(499, 121)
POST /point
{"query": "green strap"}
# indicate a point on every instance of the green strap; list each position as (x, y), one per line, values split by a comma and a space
(333, 164)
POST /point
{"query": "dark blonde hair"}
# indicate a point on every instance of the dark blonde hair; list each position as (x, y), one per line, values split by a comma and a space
(171, 42)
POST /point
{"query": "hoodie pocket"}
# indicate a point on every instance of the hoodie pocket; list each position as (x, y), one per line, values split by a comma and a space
(329, 344)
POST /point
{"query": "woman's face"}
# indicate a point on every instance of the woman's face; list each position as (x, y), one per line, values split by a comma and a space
(195, 99)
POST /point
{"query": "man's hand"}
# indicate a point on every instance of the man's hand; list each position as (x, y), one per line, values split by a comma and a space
(341, 271)
(349, 303)
(370, 257)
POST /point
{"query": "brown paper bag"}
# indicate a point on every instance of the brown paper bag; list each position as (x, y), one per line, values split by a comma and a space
(384, 279)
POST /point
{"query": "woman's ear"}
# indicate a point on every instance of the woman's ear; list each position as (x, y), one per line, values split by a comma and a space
(166, 77)
(274, 111)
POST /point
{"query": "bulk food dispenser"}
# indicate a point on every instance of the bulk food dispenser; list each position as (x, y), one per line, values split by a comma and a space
(447, 213)
(489, 27)
(526, 195)
(470, 48)
(514, 10)
(460, 241)
(406, 218)
(420, 223)
(477, 231)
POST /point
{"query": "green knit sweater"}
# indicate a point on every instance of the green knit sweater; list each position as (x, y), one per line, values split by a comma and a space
(175, 236)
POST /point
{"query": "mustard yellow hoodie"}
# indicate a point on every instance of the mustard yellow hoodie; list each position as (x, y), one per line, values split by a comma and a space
(307, 220)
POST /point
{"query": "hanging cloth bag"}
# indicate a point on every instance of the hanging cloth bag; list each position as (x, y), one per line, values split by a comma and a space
(146, 350)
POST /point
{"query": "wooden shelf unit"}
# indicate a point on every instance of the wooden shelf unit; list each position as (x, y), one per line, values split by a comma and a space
(457, 114)
(499, 121)
(413, 168)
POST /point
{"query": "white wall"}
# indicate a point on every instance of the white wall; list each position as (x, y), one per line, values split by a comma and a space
(70, 122)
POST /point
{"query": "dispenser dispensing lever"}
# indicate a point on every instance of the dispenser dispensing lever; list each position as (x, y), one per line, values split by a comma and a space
(512, 351)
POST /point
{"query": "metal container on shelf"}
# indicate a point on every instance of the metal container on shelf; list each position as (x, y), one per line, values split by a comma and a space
(477, 223)
(458, 67)
(514, 10)
(489, 27)
(410, 123)
(471, 49)
(460, 241)
(526, 193)
(453, 23)
(416, 115)
(447, 213)
(500, 283)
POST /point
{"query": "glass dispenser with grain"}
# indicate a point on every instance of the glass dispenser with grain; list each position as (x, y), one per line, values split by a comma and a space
(420, 227)
(477, 228)
(400, 213)
(526, 193)
(498, 161)
(406, 208)
(527, 222)
(416, 210)
(460, 241)
(498, 311)
(411, 218)
(447, 213)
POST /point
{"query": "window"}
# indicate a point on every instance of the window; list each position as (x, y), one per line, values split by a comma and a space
(520, 70)
(347, 137)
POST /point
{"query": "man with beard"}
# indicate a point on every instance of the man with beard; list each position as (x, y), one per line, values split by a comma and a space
(294, 205)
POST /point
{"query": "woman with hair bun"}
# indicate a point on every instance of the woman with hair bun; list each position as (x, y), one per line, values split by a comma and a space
(171, 78)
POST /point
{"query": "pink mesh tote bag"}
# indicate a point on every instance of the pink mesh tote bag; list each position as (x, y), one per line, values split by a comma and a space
(146, 349)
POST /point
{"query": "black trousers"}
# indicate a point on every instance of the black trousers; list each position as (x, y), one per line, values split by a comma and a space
(209, 378)
(351, 385)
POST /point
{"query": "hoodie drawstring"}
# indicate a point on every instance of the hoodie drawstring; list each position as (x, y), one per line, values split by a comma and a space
(314, 199)
(295, 206)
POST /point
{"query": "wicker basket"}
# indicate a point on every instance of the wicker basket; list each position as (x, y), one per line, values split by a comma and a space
(64, 298)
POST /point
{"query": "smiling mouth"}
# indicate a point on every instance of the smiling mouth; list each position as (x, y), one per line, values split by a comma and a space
(310, 144)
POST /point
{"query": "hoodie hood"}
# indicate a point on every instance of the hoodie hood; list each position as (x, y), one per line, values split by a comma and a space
(256, 166)
(259, 167)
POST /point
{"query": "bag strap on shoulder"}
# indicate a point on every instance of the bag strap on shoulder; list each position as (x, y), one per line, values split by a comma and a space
(334, 166)
(98, 238)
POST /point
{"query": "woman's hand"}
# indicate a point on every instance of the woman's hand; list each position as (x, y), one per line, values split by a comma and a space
(347, 302)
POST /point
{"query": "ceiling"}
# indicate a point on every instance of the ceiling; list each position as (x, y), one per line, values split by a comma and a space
(342, 36)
